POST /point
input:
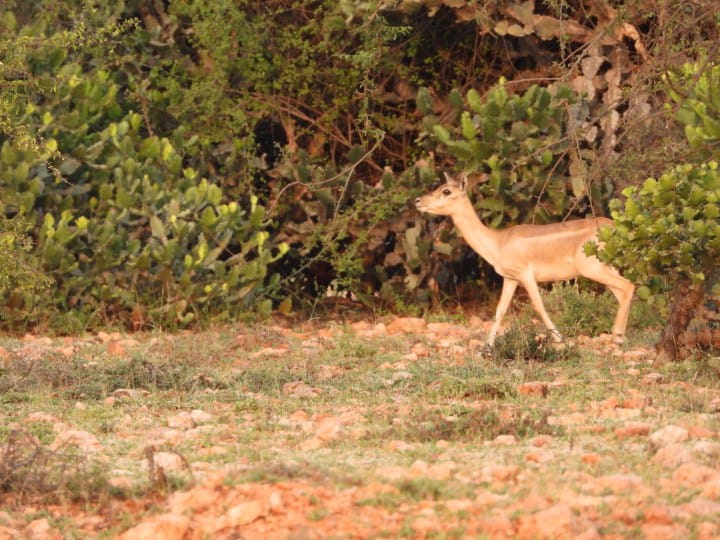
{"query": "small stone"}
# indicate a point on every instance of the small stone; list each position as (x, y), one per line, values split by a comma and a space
(41, 417)
(558, 521)
(399, 446)
(498, 527)
(245, 513)
(121, 482)
(275, 502)
(668, 435)
(702, 507)
(313, 443)
(500, 473)
(329, 429)
(672, 455)
(441, 471)
(200, 417)
(299, 389)
(407, 325)
(181, 420)
(664, 532)
(653, 378)
(692, 474)
(163, 527)
(401, 375)
(115, 348)
(707, 531)
(541, 440)
(299, 417)
(590, 459)
(714, 405)
(711, 488)
(197, 499)
(87, 442)
(616, 483)
(535, 388)
(168, 461)
(504, 440)
(632, 429)
(7, 533)
(38, 529)
(658, 514)
(391, 472)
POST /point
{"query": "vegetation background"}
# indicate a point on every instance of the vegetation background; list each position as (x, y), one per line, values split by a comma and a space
(183, 161)
(170, 164)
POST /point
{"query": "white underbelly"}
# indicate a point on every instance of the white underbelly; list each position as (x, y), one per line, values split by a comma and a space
(563, 269)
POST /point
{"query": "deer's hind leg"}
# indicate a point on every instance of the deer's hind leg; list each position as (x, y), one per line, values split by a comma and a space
(622, 289)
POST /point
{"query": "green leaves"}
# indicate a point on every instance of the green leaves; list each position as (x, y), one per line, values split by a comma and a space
(667, 229)
(699, 102)
(520, 140)
(129, 227)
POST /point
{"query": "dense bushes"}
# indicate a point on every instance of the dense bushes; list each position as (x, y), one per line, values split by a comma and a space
(667, 234)
(526, 143)
(127, 232)
(142, 142)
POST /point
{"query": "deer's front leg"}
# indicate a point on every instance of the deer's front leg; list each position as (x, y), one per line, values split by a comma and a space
(534, 293)
(508, 290)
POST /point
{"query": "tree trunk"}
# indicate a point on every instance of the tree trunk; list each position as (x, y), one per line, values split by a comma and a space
(687, 296)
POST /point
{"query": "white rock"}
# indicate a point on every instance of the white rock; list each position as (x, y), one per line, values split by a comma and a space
(181, 420)
(163, 527)
(87, 442)
(169, 461)
(669, 435)
(200, 417)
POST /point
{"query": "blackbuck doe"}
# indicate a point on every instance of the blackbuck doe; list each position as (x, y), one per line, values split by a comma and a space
(528, 254)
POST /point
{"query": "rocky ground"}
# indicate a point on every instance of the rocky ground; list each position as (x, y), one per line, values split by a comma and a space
(400, 428)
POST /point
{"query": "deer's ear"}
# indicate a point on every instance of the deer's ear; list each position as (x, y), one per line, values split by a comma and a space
(449, 179)
(463, 181)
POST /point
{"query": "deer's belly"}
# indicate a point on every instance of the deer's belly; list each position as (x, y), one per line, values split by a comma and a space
(564, 268)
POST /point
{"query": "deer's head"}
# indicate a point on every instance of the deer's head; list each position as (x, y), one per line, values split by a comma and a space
(443, 201)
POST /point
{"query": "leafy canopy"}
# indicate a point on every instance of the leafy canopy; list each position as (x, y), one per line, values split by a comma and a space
(668, 229)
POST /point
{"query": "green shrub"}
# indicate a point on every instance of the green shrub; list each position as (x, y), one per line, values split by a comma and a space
(18, 267)
(525, 144)
(666, 229)
(579, 312)
(127, 233)
(524, 342)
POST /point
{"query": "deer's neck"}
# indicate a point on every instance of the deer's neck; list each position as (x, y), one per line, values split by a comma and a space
(481, 238)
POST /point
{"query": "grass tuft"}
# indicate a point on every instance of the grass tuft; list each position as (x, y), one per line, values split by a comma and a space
(30, 470)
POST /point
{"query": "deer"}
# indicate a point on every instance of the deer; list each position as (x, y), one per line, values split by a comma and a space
(530, 254)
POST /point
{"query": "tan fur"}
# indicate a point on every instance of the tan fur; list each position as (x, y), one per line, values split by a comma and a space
(528, 254)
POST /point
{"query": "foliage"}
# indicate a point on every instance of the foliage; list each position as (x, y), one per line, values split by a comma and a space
(127, 232)
(696, 89)
(522, 342)
(330, 113)
(525, 144)
(18, 268)
(667, 233)
(667, 229)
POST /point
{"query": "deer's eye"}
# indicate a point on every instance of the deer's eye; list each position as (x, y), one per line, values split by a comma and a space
(446, 192)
